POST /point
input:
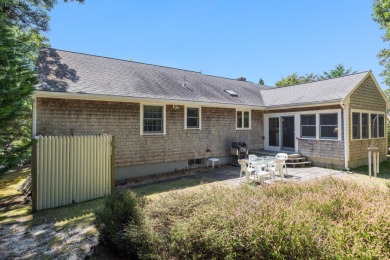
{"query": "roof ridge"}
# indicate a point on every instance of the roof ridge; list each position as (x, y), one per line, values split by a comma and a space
(149, 64)
(320, 80)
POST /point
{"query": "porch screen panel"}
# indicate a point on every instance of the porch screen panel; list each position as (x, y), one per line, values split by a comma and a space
(364, 125)
(273, 132)
(381, 126)
(356, 125)
(374, 125)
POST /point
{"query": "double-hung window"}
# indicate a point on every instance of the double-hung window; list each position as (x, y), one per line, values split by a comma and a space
(308, 126)
(243, 119)
(356, 125)
(153, 119)
(328, 126)
(192, 118)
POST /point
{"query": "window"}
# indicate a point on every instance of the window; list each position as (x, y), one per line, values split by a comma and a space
(356, 125)
(193, 162)
(193, 118)
(364, 125)
(273, 132)
(243, 119)
(328, 126)
(153, 119)
(308, 126)
(377, 126)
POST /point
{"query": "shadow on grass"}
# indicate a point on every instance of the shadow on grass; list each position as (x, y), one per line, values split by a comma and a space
(172, 184)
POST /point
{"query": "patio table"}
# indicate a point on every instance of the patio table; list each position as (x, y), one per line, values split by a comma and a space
(259, 161)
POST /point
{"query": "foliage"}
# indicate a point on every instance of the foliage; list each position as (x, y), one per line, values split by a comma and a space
(261, 81)
(329, 218)
(29, 14)
(20, 24)
(338, 71)
(295, 79)
(381, 15)
(120, 224)
(16, 86)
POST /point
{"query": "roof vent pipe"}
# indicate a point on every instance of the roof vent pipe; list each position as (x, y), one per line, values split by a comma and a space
(241, 79)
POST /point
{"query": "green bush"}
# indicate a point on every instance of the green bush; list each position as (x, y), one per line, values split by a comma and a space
(120, 224)
(328, 218)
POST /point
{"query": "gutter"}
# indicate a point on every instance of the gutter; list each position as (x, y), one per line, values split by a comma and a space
(345, 105)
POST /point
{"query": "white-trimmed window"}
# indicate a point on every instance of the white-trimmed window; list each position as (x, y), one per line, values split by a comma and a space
(377, 126)
(153, 119)
(308, 126)
(243, 119)
(192, 118)
(329, 126)
(367, 125)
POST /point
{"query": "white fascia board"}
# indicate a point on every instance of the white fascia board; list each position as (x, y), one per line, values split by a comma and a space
(48, 94)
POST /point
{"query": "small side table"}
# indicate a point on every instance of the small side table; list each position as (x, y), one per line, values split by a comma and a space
(213, 160)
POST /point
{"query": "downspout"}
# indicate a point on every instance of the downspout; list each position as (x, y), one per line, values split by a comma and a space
(345, 105)
(34, 117)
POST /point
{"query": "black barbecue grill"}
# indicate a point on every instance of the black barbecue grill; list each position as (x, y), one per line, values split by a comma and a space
(239, 151)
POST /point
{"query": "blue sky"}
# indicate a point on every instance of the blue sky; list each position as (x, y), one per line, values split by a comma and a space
(253, 39)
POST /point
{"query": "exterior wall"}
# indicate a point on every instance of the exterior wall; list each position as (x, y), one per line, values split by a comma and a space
(327, 153)
(366, 98)
(122, 120)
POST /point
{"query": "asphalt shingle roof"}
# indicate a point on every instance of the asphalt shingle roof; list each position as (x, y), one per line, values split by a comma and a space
(323, 91)
(70, 72)
(64, 71)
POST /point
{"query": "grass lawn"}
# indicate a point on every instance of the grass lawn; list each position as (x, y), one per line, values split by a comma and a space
(360, 175)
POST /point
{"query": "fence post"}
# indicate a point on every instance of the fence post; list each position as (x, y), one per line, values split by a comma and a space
(112, 164)
(34, 181)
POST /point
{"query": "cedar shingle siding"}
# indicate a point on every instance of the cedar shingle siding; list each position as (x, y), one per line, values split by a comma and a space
(366, 97)
(121, 119)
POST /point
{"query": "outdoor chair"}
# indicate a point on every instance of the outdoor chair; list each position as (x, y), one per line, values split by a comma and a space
(260, 174)
(276, 166)
(284, 157)
(245, 169)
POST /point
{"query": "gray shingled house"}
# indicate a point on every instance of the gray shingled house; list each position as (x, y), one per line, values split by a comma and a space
(165, 118)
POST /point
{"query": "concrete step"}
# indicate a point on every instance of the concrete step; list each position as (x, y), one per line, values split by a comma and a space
(297, 159)
(299, 164)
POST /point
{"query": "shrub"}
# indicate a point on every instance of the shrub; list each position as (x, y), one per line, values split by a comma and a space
(120, 224)
(328, 218)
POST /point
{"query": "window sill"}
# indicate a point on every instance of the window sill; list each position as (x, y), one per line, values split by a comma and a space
(365, 139)
(243, 129)
(321, 139)
(153, 134)
(189, 128)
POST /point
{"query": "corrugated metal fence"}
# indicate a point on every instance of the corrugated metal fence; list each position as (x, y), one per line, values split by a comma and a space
(71, 169)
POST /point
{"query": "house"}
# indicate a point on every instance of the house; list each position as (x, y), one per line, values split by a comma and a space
(165, 118)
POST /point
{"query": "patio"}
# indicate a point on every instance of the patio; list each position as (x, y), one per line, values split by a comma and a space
(230, 175)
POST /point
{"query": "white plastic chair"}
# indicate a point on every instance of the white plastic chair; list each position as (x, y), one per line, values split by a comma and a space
(276, 166)
(260, 174)
(251, 165)
(245, 169)
(284, 157)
